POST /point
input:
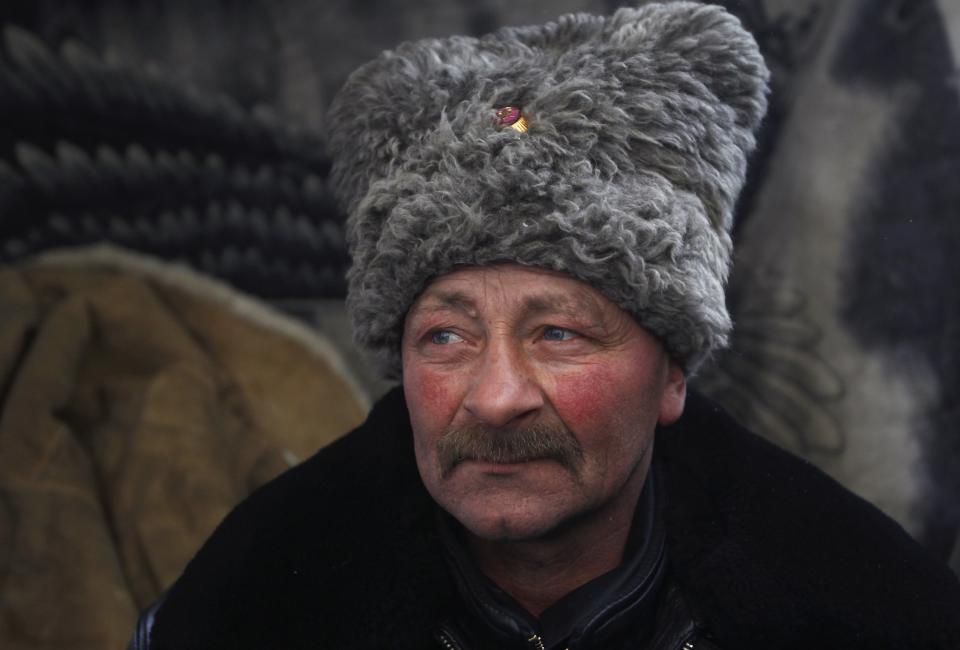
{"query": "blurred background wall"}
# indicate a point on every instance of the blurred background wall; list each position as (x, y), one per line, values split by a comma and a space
(194, 132)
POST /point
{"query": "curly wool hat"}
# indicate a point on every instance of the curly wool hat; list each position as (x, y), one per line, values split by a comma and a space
(609, 148)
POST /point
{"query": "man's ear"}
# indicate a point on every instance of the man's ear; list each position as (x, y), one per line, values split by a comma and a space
(674, 394)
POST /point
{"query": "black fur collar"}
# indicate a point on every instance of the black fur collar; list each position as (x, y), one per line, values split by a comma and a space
(341, 552)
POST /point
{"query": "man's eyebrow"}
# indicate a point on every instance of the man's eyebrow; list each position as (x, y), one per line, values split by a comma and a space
(533, 305)
(455, 300)
(575, 305)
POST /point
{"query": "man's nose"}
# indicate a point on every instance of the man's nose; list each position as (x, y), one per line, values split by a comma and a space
(504, 388)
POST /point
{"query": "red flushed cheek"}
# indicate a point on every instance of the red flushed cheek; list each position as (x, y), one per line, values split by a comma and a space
(433, 388)
(584, 398)
(430, 398)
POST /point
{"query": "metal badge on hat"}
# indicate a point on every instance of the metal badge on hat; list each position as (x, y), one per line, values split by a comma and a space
(513, 117)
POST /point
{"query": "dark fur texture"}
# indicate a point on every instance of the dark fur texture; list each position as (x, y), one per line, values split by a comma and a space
(640, 125)
(342, 552)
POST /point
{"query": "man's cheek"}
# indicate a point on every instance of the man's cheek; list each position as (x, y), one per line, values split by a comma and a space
(427, 400)
(430, 396)
(584, 397)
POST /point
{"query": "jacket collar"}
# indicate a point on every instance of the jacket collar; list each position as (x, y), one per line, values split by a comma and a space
(767, 550)
(589, 616)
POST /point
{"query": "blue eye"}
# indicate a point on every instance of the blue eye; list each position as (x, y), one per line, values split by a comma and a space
(444, 337)
(552, 333)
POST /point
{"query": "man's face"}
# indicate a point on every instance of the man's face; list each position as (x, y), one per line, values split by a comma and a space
(533, 398)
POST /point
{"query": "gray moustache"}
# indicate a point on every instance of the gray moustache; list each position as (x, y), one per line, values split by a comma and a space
(488, 444)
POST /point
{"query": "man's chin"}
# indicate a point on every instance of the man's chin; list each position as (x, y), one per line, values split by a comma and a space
(505, 518)
(507, 529)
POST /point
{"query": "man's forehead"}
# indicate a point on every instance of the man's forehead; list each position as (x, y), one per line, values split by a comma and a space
(539, 302)
(529, 290)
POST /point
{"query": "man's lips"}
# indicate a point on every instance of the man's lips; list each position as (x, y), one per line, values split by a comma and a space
(494, 467)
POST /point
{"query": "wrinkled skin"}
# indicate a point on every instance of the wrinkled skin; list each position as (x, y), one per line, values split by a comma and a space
(501, 348)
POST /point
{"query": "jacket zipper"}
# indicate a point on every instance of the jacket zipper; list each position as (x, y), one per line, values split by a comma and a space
(447, 641)
(449, 644)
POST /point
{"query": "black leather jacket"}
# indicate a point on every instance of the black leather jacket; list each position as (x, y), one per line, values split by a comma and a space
(675, 630)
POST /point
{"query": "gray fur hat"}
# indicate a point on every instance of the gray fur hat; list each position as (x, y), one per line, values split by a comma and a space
(638, 126)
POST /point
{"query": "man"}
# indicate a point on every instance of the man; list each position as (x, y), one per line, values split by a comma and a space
(539, 226)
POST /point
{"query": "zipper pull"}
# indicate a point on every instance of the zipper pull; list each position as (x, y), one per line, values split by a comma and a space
(446, 640)
(536, 642)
